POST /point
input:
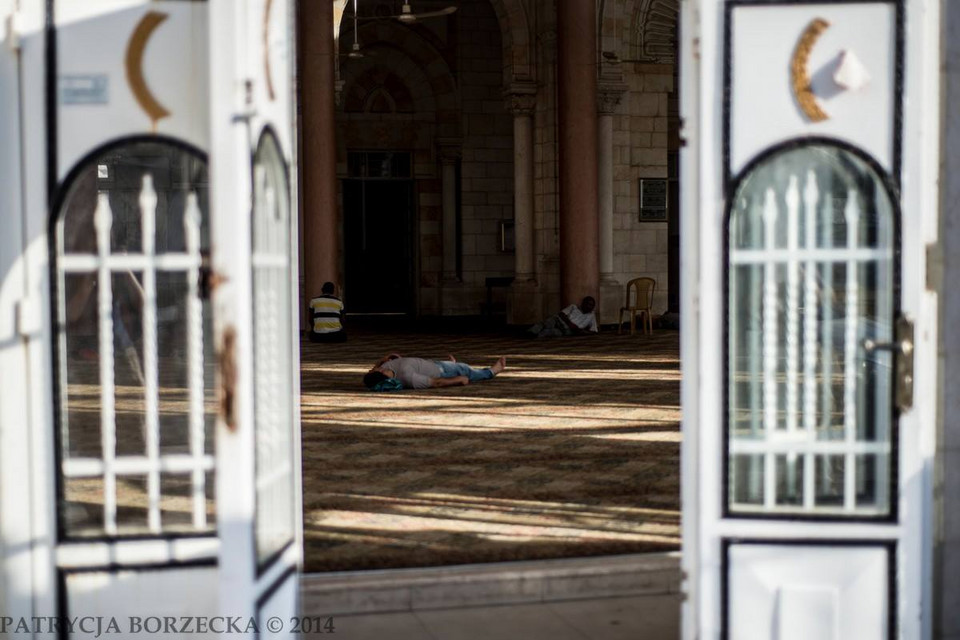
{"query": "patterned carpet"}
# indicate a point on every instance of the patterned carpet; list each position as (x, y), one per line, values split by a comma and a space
(573, 451)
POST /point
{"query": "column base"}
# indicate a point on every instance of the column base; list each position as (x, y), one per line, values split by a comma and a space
(451, 296)
(524, 302)
(612, 295)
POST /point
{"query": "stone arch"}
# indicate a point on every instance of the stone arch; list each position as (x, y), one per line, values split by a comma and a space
(414, 60)
(655, 30)
(518, 53)
(386, 71)
(612, 32)
(378, 87)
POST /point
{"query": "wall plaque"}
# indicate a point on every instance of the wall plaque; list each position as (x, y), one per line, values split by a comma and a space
(84, 89)
(653, 200)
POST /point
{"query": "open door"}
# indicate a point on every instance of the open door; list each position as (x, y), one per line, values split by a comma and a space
(148, 334)
(254, 293)
(810, 353)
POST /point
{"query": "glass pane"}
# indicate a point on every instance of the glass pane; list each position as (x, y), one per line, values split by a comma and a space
(132, 505)
(273, 366)
(77, 234)
(136, 354)
(871, 492)
(789, 479)
(829, 480)
(747, 479)
(129, 398)
(82, 508)
(172, 363)
(811, 276)
(176, 505)
(80, 414)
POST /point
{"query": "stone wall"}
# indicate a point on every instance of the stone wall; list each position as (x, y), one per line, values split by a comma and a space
(450, 96)
(640, 145)
(486, 166)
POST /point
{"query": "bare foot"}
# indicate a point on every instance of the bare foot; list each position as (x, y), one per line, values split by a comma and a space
(499, 365)
(451, 358)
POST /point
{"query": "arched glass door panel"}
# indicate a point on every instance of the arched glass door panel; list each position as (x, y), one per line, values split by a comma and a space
(135, 358)
(811, 287)
(273, 370)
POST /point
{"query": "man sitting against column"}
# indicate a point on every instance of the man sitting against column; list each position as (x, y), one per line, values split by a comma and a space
(571, 321)
(327, 316)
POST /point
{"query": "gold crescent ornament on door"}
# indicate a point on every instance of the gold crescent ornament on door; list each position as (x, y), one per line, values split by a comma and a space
(800, 77)
(133, 63)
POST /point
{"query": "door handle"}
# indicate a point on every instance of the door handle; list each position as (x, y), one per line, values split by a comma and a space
(902, 349)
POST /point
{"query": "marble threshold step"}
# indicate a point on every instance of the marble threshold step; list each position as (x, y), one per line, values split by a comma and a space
(381, 591)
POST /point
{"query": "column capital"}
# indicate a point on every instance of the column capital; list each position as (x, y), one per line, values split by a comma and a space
(449, 149)
(521, 98)
(609, 96)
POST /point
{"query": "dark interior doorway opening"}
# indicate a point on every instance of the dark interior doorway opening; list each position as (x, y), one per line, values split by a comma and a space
(378, 208)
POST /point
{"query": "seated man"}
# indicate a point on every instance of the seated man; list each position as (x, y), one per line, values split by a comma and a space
(327, 316)
(572, 321)
(419, 373)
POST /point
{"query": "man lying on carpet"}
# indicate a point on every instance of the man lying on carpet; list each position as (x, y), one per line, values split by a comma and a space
(394, 372)
(571, 321)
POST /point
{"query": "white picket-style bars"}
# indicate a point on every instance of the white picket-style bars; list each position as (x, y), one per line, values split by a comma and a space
(823, 445)
(132, 348)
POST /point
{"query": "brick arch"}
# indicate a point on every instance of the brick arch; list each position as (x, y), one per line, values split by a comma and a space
(518, 54)
(654, 30)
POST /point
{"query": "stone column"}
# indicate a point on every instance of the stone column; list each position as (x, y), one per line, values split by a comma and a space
(577, 93)
(449, 153)
(522, 305)
(318, 160)
(608, 97)
(521, 102)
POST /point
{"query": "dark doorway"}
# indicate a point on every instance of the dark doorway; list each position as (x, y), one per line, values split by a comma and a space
(378, 229)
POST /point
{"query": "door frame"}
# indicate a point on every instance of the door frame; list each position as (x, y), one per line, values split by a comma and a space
(703, 76)
(27, 512)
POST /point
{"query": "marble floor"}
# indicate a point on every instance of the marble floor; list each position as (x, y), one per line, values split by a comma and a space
(653, 617)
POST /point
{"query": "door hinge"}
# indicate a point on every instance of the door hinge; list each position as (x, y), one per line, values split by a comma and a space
(12, 29)
(27, 318)
(902, 349)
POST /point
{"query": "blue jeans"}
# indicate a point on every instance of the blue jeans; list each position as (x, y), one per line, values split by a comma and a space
(454, 369)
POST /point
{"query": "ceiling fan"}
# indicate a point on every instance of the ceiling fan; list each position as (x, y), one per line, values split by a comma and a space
(407, 16)
(355, 51)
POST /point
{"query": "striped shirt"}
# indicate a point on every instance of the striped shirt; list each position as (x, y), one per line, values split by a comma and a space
(327, 311)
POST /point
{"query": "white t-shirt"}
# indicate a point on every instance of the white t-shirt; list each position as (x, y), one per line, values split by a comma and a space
(587, 321)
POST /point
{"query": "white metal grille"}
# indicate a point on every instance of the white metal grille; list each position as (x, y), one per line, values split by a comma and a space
(809, 410)
(133, 355)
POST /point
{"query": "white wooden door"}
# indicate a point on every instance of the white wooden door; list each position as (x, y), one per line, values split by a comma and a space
(112, 427)
(121, 365)
(253, 238)
(809, 334)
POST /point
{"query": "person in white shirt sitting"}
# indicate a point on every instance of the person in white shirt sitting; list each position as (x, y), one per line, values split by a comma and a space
(571, 321)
